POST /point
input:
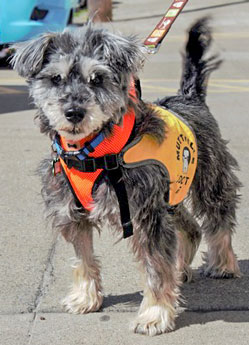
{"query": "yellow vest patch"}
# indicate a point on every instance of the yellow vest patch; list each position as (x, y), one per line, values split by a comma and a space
(177, 153)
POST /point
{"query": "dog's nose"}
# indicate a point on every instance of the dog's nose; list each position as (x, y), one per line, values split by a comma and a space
(75, 115)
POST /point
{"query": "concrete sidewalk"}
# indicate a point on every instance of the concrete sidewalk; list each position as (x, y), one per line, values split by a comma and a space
(35, 264)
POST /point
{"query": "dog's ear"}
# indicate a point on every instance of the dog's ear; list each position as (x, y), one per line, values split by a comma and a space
(30, 55)
(122, 54)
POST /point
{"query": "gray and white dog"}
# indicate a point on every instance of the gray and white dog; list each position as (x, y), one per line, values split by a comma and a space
(80, 84)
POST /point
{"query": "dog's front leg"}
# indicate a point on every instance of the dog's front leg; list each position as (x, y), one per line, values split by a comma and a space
(86, 292)
(156, 250)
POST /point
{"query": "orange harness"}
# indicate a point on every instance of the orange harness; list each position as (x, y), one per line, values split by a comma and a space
(83, 182)
(177, 155)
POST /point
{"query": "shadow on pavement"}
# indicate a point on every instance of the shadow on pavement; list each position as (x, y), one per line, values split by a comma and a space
(4, 64)
(14, 98)
(206, 294)
(200, 318)
(202, 295)
(131, 300)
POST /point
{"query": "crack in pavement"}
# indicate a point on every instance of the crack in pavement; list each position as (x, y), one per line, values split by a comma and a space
(43, 287)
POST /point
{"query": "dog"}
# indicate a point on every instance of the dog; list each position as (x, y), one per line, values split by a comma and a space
(86, 88)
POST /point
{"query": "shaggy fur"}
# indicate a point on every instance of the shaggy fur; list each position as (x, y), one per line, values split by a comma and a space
(89, 71)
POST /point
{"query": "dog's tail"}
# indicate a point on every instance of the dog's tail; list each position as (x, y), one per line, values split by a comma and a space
(196, 69)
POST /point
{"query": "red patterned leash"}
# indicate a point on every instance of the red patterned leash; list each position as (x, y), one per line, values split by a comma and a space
(154, 40)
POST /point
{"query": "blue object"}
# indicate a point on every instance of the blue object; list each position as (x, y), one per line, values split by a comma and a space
(23, 19)
(83, 153)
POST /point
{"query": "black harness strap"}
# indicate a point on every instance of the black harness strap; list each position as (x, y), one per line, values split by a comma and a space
(91, 164)
(116, 179)
(111, 164)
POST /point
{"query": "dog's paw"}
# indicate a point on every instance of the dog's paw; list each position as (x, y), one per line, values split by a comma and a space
(153, 321)
(80, 301)
(215, 273)
(221, 266)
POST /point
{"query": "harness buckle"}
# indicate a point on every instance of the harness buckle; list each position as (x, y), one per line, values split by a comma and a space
(89, 165)
(111, 162)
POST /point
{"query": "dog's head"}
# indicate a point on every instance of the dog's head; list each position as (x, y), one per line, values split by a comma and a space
(79, 80)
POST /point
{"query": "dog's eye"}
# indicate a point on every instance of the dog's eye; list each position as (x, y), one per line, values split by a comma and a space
(56, 79)
(95, 79)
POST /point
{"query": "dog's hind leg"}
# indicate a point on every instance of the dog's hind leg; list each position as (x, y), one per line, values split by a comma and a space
(215, 198)
(189, 238)
(86, 292)
(220, 259)
(215, 185)
(156, 251)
